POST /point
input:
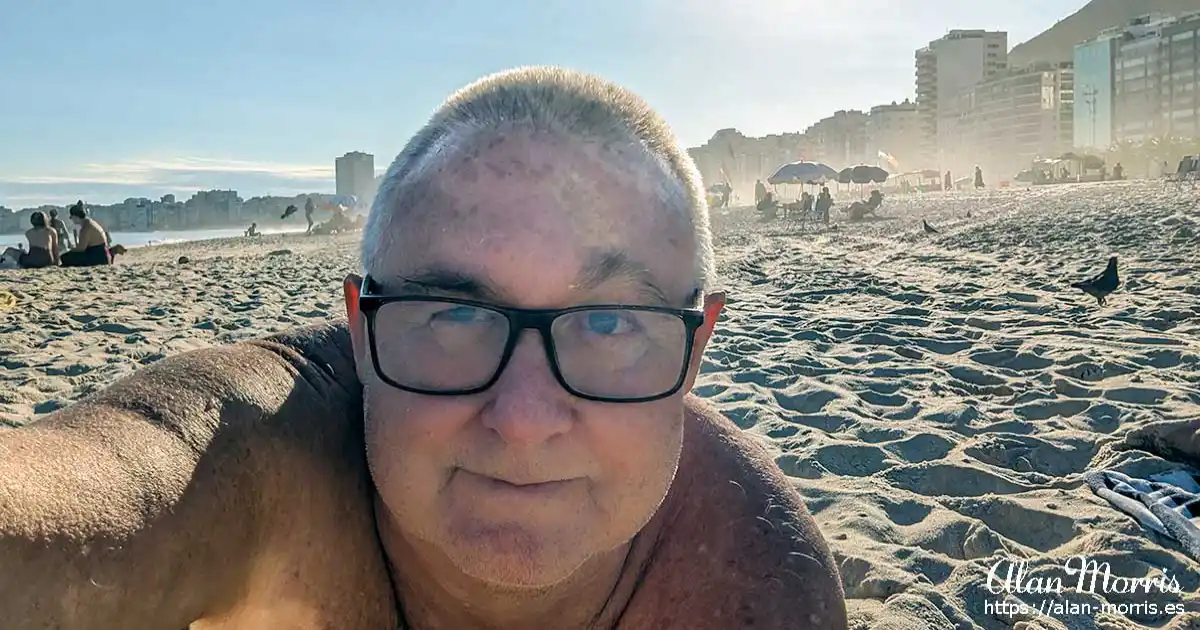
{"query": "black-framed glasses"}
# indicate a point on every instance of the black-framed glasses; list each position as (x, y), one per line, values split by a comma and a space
(443, 346)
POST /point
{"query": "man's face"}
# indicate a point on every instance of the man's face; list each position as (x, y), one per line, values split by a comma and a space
(523, 483)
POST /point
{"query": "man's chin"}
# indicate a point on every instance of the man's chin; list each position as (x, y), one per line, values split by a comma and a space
(513, 555)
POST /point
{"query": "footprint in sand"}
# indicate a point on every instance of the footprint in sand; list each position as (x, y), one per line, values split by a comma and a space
(923, 447)
(1051, 408)
(1025, 453)
(934, 479)
(1137, 395)
(1011, 360)
(1036, 528)
(853, 460)
(808, 402)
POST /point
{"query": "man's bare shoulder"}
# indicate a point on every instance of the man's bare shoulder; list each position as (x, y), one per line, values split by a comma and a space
(737, 548)
(226, 485)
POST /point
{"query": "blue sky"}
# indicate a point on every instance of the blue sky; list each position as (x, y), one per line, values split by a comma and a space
(107, 100)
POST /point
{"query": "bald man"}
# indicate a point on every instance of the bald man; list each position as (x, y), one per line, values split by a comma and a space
(522, 451)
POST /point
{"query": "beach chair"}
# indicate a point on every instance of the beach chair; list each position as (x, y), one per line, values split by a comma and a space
(805, 213)
(1188, 171)
(860, 210)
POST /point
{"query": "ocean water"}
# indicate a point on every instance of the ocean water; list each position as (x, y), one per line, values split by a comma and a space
(141, 239)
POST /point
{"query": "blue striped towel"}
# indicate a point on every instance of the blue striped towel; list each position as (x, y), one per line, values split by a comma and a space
(1168, 504)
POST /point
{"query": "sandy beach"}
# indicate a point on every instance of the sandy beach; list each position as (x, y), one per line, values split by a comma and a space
(935, 397)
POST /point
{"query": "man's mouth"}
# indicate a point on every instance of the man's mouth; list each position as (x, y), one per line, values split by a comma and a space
(514, 486)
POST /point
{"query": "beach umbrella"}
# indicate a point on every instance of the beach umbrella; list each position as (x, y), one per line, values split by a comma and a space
(801, 173)
(879, 174)
(846, 175)
(863, 174)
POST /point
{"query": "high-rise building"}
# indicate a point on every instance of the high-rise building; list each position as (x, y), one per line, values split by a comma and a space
(944, 69)
(1094, 93)
(895, 129)
(1155, 73)
(1009, 120)
(1179, 67)
(840, 140)
(355, 173)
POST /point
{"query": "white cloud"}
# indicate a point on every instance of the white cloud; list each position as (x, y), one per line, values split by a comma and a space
(111, 182)
(136, 168)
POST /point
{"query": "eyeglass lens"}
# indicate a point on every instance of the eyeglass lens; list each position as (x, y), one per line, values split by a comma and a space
(611, 353)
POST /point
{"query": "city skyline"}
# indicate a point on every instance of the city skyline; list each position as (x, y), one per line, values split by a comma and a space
(174, 99)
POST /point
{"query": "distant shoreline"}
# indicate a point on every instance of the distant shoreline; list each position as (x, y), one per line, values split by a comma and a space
(275, 225)
(155, 238)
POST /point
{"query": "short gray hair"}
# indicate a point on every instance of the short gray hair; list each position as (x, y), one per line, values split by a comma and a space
(543, 99)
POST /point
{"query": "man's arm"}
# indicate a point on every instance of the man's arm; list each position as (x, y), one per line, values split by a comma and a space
(737, 548)
(226, 485)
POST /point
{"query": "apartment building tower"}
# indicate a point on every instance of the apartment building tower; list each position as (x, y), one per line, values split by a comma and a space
(945, 68)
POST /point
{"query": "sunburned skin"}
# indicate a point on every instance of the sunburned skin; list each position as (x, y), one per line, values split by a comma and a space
(227, 488)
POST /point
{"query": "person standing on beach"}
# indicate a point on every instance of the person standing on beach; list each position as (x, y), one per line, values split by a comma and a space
(499, 437)
(64, 235)
(979, 177)
(309, 208)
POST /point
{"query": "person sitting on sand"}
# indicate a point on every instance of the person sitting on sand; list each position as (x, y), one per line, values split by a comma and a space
(253, 230)
(43, 244)
(91, 245)
(56, 224)
(537, 294)
(766, 207)
(860, 209)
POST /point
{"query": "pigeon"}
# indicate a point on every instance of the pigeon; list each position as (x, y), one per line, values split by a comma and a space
(289, 211)
(1103, 284)
(929, 229)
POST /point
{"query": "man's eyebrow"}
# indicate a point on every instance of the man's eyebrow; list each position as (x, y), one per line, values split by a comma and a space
(608, 265)
(602, 267)
(443, 280)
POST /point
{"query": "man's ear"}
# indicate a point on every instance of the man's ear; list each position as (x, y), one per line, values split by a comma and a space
(713, 304)
(351, 289)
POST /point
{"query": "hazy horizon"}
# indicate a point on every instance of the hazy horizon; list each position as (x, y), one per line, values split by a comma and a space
(141, 99)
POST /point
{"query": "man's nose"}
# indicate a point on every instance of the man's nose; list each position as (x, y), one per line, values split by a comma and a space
(528, 405)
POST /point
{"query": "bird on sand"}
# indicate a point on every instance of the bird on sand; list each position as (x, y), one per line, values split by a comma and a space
(1100, 286)
(289, 211)
(929, 229)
